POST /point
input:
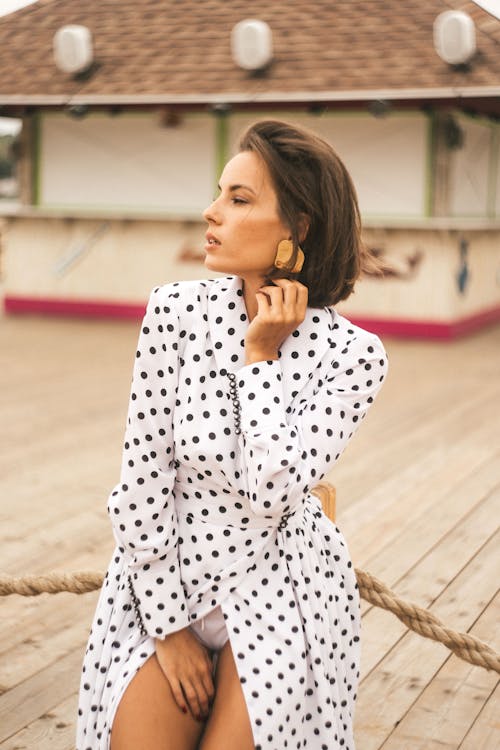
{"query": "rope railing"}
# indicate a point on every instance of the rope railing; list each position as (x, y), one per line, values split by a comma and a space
(425, 623)
(419, 620)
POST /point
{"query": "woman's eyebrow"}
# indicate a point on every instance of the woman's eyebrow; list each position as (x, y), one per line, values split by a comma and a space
(233, 188)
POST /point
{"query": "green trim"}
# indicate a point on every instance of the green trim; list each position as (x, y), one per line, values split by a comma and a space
(393, 217)
(470, 216)
(102, 208)
(36, 155)
(101, 211)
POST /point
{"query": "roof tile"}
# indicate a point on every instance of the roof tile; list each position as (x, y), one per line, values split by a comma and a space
(182, 47)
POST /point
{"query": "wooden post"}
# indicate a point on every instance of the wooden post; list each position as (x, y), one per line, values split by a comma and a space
(327, 494)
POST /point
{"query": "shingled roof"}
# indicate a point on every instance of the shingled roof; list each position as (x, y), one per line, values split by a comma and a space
(174, 51)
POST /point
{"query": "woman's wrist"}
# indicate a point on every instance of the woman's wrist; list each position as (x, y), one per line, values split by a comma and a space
(253, 355)
(175, 635)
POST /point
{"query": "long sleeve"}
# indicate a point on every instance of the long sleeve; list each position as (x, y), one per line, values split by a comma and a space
(141, 506)
(286, 454)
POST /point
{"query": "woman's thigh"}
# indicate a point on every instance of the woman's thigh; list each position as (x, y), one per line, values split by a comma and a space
(228, 725)
(148, 717)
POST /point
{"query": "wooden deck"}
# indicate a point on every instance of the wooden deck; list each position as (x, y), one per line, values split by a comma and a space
(418, 500)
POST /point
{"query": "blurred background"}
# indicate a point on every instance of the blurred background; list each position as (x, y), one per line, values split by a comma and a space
(116, 119)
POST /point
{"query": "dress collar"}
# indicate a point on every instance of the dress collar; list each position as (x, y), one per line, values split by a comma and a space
(299, 355)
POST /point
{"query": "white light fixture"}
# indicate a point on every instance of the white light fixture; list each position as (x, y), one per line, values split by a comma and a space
(252, 44)
(454, 37)
(73, 48)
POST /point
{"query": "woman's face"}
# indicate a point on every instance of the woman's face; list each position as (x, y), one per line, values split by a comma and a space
(244, 227)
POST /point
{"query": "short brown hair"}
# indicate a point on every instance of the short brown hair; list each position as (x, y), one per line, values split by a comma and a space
(310, 179)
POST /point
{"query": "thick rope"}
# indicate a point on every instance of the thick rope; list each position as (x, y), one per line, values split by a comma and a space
(423, 622)
(51, 583)
(420, 620)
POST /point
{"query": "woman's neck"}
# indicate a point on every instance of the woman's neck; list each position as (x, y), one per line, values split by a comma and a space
(250, 287)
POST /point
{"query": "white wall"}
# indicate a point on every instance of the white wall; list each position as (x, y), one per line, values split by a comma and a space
(129, 258)
(121, 260)
(130, 162)
(386, 156)
(470, 167)
(127, 161)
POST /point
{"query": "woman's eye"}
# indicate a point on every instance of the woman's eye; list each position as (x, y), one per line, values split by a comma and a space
(239, 200)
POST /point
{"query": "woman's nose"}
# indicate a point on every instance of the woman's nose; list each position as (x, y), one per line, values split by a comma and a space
(211, 213)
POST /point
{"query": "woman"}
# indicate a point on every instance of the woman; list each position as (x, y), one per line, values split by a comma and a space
(229, 615)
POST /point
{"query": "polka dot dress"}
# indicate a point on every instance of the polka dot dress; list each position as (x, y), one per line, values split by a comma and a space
(213, 509)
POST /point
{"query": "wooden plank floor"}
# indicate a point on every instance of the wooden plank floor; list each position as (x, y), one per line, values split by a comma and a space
(418, 500)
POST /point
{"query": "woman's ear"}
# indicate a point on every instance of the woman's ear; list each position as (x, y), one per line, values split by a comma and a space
(303, 224)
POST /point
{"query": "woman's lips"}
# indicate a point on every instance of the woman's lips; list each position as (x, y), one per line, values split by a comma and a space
(211, 241)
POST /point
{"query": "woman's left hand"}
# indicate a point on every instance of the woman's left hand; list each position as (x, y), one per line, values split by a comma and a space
(281, 309)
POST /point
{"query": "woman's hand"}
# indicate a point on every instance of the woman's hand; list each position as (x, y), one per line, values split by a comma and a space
(187, 665)
(281, 309)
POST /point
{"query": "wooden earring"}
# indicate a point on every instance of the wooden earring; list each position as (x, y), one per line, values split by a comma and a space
(284, 255)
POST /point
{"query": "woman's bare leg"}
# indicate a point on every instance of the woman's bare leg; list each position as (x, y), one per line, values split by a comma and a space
(228, 725)
(148, 718)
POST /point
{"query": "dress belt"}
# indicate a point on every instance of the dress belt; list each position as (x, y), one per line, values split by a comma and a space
(222, 509)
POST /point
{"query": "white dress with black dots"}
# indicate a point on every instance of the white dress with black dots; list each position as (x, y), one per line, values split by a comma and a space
(213, 509)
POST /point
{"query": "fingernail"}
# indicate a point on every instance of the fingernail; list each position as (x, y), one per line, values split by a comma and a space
(184, 710)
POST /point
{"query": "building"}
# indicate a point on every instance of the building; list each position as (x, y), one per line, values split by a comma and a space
(117, 162)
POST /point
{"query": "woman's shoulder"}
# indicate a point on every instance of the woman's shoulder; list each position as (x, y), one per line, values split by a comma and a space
(183, 293)
(357, 338)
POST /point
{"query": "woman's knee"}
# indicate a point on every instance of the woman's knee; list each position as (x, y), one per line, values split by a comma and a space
(148, 716)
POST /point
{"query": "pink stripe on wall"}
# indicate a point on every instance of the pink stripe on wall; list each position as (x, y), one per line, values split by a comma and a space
(70, 307)
(428, 329)
(399, 328)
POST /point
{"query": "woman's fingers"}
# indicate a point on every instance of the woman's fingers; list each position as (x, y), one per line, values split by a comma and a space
(199, 691)
(280, 310)
(196, 698)
(176, 688)
(294, 290)
(187, 666)
(287, 299)
(286, 296)
(273, 296)
(202, 696)
(295, 296)
(263, 302)
(203, 685)
(208, 685)
(195, 693)
(199, 686)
